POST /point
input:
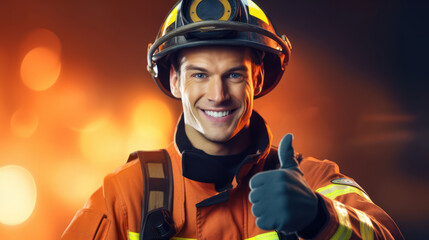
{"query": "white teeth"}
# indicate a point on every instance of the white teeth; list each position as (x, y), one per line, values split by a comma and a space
(217, 114)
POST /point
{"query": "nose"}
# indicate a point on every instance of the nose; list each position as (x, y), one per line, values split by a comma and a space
(217, 90)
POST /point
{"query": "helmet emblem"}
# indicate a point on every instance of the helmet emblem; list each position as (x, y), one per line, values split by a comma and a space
(200, 10)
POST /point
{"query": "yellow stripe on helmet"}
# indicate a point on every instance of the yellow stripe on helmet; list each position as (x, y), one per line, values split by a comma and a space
(170, 19)
(255, 11)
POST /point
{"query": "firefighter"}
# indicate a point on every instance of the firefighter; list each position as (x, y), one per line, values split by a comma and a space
(227, 180)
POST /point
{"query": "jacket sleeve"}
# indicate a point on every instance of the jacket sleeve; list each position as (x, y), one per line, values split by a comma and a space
(351, 213)
(102, 218)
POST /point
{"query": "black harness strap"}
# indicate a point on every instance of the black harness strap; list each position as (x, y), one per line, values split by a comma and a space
(157, 200)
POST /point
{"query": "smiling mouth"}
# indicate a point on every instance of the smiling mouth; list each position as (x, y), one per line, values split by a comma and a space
(218, 114)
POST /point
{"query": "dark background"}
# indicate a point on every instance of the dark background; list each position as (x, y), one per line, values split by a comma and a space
(355, 91)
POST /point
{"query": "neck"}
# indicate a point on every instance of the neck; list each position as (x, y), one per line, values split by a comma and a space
(235, 145)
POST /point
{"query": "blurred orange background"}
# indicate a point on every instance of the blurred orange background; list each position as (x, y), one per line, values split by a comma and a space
(75, 100)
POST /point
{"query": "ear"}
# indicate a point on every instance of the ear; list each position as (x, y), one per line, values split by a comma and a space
(175, 83)
(259, 80)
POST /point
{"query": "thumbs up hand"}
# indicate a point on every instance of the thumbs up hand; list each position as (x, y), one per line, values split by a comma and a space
(281, 198)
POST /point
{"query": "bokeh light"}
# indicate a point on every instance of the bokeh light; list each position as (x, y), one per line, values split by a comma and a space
(151, 125)
(152, 112)
(74, 188)
(40, 68)
(41, 37)
(23, 123)
(17, 194)
(147, 138)
(102, 144)
(77, 107)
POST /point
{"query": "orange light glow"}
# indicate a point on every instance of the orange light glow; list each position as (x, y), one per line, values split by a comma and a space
(41, 37)
(17, 194)
(2, 65)
(24, 123)
(147, 138)
(151, 124)
(40, 68)
(102, 144)
(74, 181)
(153, 113)
(77, 108)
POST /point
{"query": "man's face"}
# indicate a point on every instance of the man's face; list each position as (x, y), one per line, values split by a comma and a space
(216, 86)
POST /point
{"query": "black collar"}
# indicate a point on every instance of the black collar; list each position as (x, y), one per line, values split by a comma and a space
(221, 170)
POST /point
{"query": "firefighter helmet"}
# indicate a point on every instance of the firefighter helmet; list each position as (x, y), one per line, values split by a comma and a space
(193, 23)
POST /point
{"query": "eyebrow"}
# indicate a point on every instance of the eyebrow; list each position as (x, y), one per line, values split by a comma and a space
(195, 68)
(201, 69)
(239, 68)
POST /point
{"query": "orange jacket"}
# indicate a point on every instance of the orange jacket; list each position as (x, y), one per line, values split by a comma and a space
(113, 211)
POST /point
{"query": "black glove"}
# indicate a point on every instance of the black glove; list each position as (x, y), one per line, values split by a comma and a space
(281, 198)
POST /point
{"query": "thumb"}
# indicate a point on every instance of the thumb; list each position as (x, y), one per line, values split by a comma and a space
(286, 152)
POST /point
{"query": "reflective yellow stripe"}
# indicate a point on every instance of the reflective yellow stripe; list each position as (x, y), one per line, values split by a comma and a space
(255, 11)
(263, 236)
(344, 231)
(334, 190)
(133, 236)
(170, 19)
(366, 227)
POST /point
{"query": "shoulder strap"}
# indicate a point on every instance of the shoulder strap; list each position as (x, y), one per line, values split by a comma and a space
(157, 200)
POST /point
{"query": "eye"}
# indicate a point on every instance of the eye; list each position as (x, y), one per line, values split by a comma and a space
(234, 75)
(199, 75)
